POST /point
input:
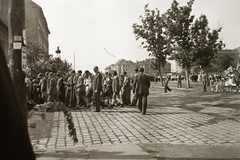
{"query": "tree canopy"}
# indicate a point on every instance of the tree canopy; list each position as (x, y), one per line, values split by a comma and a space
(40, 61)
(151, 31)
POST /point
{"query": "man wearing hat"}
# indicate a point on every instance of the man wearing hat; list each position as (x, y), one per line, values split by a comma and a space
(97, 87)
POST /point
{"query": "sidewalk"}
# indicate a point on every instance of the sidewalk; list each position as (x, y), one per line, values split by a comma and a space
(149, 151)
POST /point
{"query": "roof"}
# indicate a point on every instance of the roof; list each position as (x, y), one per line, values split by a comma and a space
(123, 61)
(231, 51)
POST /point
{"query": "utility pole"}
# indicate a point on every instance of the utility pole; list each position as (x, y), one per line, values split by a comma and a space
(74, 60)
(16, 31)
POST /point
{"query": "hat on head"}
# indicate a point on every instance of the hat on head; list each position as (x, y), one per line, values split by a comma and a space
(141, 69)
(136, 69)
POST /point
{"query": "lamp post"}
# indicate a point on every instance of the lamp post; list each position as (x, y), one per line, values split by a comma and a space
(58, 52)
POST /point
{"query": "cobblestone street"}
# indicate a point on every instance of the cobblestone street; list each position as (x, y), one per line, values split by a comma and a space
(170, 125)
(184, 123)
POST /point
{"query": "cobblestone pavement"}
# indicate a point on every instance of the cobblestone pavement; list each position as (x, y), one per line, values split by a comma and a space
(168, 125)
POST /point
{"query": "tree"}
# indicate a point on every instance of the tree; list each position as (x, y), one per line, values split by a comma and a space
(36, 53)
(222, 62)
(178, 22)
(56, 64)
(206, 42)
(152, 32)
(40, 61)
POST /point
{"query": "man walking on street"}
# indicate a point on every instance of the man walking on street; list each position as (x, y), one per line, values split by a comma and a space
(179, 81)
(166, 87)
(97, 88)
(143, 90)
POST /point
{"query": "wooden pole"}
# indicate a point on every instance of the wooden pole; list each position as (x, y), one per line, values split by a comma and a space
(16, 26)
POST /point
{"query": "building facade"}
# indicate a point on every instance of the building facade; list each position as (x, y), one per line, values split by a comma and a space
(129, 66)
(37, 30)
(36, 26)
(122, 66)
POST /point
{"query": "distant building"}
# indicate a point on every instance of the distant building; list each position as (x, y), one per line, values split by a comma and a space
(35, 25)
(129, 66)
(175, 67)
(37, 30)
(123, 65)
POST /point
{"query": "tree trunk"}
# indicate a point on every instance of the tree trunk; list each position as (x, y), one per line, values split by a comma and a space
(206, 72)
(160, 72)
(187, 70)
(16, 26)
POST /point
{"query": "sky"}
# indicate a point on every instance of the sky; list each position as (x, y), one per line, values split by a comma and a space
(99, 32)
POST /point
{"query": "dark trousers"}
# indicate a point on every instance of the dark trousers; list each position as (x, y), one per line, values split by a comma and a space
(61, 97)
(126, 96)
(166, 88)
(205, 86)
(53, 98)
(135, 99)
(179, 84)
(142, 102)
(97, 101)
(81, 99)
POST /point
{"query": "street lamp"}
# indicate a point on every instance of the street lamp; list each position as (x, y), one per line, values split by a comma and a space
(58, 52)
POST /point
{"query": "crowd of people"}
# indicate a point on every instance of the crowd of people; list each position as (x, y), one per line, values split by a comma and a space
(83, 90)
(227, 81)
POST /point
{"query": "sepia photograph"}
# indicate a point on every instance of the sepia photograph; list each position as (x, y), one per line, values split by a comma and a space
(120, 79)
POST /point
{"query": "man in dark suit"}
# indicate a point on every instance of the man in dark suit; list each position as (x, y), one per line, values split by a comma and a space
(116, 99)
(97, 87)
(142, 90)
(126, 89)
(52, 88)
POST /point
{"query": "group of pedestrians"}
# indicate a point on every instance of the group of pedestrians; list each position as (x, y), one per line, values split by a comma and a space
(116, 90)
(82, 90)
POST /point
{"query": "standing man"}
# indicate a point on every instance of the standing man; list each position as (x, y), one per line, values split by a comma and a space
(97, 87)
(126, 89)
(135, 88)
(60, 87)
(81, 91)
(71, 92)
(116, 99)
(52, 88)
(43, 87)
(143, 91)
(179, 81)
